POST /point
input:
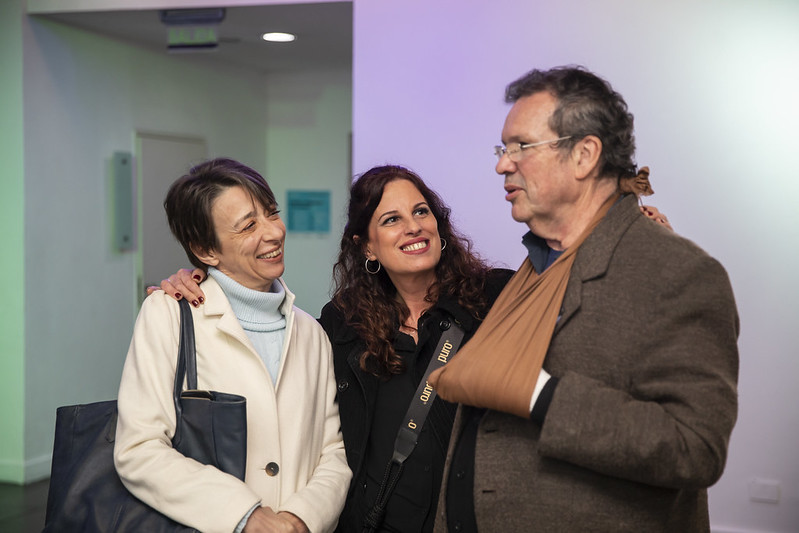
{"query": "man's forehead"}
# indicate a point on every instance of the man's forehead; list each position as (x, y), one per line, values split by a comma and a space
(529, 117)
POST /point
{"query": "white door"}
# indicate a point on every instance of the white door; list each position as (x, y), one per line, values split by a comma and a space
(161, 159)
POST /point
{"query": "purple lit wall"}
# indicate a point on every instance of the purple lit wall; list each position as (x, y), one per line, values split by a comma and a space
(712, 86)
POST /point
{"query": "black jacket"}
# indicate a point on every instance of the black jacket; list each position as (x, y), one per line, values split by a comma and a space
(358, 395)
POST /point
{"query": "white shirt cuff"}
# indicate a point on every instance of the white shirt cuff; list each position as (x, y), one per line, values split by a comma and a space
(543, 377)
(243, 521)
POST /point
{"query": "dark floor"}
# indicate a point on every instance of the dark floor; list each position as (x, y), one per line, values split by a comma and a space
(22, 507)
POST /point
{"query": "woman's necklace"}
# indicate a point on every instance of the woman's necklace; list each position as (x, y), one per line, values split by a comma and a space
(410, 330)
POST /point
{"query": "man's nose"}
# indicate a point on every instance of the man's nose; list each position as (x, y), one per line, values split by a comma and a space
(504, 165)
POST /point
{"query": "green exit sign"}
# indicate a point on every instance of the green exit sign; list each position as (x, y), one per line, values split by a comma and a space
(191, 37)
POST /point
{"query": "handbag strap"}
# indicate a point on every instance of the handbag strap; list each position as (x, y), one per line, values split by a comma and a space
(412, 423)
(186, 349)
(187, 362)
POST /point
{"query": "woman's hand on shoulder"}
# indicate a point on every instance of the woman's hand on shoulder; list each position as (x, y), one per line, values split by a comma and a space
(265, 520)
(184, 283)
(653, 214)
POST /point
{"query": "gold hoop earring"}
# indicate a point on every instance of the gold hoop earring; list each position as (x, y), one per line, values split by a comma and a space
(366, 267)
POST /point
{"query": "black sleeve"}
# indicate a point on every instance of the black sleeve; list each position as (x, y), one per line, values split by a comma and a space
(331, 319)
(495, 281)
(539, 412)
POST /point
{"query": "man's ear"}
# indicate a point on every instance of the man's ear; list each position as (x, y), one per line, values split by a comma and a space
(206, 256)
(587, 154)
(364, 248)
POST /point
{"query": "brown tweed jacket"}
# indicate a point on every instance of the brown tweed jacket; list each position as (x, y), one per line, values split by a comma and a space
(646, 353)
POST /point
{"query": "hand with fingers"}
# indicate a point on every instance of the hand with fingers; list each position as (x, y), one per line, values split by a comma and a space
(652, 213)
(265, 520)
(184, 283)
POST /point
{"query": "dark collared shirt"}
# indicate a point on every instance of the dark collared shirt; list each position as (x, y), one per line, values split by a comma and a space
(539, 252)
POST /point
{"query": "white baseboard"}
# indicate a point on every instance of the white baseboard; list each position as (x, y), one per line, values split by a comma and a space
(31, 470)
(38, 468)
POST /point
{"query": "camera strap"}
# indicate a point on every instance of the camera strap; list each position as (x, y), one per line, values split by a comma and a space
(412, 423)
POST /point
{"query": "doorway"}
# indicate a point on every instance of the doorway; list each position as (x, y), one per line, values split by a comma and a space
(161, 159)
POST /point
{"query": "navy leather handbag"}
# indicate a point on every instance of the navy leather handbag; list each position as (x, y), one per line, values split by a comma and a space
(86, 494)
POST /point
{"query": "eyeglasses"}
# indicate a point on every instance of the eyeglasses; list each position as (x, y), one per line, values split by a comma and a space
(514, 150)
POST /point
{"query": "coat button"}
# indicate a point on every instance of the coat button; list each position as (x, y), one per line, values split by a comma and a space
(272, 469)
(444, 325)
(343, 385)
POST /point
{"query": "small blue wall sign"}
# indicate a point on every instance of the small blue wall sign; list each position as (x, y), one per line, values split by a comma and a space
(309, 211)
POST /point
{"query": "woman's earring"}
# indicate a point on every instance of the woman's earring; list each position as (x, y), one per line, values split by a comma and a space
(443, 243)
(372, 272)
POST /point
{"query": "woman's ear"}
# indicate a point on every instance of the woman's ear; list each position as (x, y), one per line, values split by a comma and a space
(364, 248)
(206, 256)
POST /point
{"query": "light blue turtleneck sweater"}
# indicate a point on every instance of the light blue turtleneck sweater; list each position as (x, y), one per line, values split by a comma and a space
(259, 314)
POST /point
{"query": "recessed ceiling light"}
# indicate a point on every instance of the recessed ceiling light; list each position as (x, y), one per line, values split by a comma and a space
(278, 37)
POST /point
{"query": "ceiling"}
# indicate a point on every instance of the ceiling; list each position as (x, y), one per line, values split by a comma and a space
(323, 30)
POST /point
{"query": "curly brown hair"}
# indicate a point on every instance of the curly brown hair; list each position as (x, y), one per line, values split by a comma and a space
(369, 302)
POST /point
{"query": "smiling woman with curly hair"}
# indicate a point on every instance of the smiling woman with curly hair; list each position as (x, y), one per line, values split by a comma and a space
(403, 273)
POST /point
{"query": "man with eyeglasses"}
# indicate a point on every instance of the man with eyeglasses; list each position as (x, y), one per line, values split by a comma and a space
(627, 422)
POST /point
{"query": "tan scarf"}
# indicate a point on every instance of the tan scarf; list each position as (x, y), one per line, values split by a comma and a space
(498, 368)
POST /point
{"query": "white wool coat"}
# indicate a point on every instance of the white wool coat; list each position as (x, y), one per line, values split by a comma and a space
(294, 423)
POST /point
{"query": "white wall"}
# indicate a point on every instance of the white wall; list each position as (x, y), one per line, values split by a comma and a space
(308, 148)
(712, 86)
(85, 96)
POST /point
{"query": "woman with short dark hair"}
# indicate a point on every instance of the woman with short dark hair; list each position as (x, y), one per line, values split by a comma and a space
(250, 341)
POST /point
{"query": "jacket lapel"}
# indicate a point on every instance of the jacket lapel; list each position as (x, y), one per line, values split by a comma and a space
(593, 257)
(217, 309)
